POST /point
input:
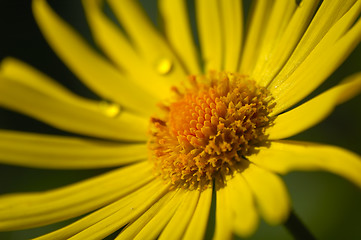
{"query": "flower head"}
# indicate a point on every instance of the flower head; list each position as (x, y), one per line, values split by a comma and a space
(180, 125)
(208, 129)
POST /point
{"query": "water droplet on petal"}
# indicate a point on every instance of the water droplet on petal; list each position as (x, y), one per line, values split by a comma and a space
(164, 66)
(110, 109)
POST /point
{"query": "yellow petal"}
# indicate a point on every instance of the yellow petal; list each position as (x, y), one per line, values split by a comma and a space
(19, 211)
(287, 42)
(131, 230)
(151, 223)
(286, 156)
(258, 17)
(112, 217)
(25, 90)
(210, 33)
(315, 110)
(232, 25)
(224, 216)
(328, 13)
(270, 193)
(178, 32)
(60, 152)
(197, 226)
(312, 69)
(25, 74)
(151, 45)
(180, 220)
(116, 45)
(94, 70)
(280, 15)
(245, 216)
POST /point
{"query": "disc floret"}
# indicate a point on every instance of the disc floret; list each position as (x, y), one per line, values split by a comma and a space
(209, 128)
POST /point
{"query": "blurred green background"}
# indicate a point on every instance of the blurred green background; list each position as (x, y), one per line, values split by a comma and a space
(328, 204)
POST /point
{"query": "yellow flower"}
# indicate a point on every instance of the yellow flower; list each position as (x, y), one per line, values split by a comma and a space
(183, 129)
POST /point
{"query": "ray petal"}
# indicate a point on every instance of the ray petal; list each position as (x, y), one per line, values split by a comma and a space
(112, 217)
(245, 216)
(270, 193)
(313, 69)
(177, 29)
(315, 110)
(198, 224)
(60, 152)
(326, 16)
(258, 17)
(94, 70)
(287, 42)
(224, 216)
(25, 90)
(151, 223)
(179, 222)
(119, 49)
(286, 156)
(232, 25)
(280, 15)
(151, 45)
(210, 33)
(20, 211)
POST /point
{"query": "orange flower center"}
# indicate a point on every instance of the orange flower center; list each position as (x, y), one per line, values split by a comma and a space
(209, 128)
(194, 118)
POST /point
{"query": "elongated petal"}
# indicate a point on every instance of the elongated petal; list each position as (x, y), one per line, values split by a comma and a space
(280, 15)
(245, 216)
(258, 18)
(287, 42)
(134, 227)
(210, 33)
(178, 32)
(25, 74)
(150, 224)
(151, 45)
(154, 227)
(320, 62)
(112, 217)
(118, 47)
(46, 151)
(19, 211)
(109, 36)
(197, 226)
(286, 156)
(232, 25)
(224, 216)
(315, 110)
(325, 17)
(270, 193)
(179, 222)
(28, 91)
(94, 70)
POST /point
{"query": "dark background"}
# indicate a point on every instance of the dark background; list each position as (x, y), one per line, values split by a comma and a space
(328, 204)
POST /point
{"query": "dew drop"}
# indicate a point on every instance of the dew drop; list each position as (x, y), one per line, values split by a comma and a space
(110, 109)
(164, 66)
